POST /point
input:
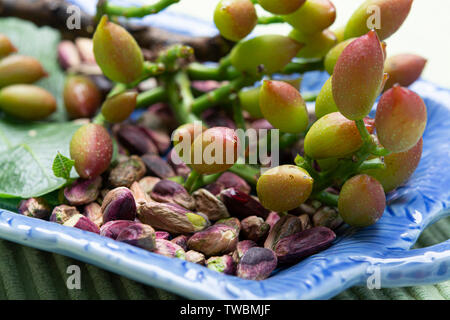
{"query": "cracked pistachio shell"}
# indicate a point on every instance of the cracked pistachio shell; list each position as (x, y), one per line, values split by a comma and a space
(223, 264)
(119, 107)
(181, 240)
(195, 257)
(83, 191)
(316, 45)
(127, 172)
(81, 222)
(93, 212)
(17, 69)
(119, 204)
(392, 15)
(171, 192)
(401, 119)
(169, 249)
(295, 182)
(139, 235)
(112, 229)
(27, 102)
(332, 136)
(241, 248)
(91, 148)
(117, 53)
(249, 100)
(312, 17)
(399, 167)
(162, 235)
(358, 76)
(210, 205)
(215, 240)
(403, 69)
(254, 228)
(35, 208)
(327, 217)
(233, 222)
(281, 6)
(215, 150)
(62, 213)
(325, 102)
(235, 19)
(6, 46)
(242, 205)
(284, 227)
(283, 106)
(361, 201)
(257, 264)
(333, 55)
(136, 139)
(264, 54)
(81, 97)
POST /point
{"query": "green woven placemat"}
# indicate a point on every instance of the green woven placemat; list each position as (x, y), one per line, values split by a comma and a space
(27, 273)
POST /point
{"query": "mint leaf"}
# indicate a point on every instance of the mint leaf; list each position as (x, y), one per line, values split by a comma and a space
(62, 166)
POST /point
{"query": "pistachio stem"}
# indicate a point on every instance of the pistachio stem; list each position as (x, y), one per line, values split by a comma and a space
(310, 96)
(180, 97)
(205, 180)
(376, 163)
(246, 172)
(199, 71)
(365, 135)
(147, 98)
(191, 179)
(172, 54)
(327, 198)
(270, 19)
(237, 113)
(303, 65)
(136, 12)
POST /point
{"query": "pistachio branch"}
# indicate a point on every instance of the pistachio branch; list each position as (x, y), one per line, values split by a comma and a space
(327, 198)
(147, 98)
(180, 97)
(169, 57)
(104, 7)
(191, 179)
(302, 66)
(270, 19)
(246, 172)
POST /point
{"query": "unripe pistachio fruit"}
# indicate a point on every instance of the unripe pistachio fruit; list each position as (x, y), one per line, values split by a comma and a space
(249, 100)
(316, 45)
(283, 106)
(264, 54)
(358, 76)
(281, 6)
(119, 107)
(403, 69)
(313, 16)
(401, 119)
(117, 53)
(17, 69)
(27, 102)
(325, 102)
(333, 55)
(386, 16)
(91, 148)
(214, 151)
(81, 97)
(361, 201)
(294, 182)
(6, 47)
(235, 19)
(399, 167)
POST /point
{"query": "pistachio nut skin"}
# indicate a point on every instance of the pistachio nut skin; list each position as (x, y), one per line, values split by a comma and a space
(241, 248)
(254, 228)
(313, 17)
(358, 76)
(82, 98)
(361, 201)
(300, 245)
(181, 240)
(119, 107)
(242, 205)
(403, 69)
(158, 167)
(148, 183)
(295, 182)
(168, 191)
(62, 213)
(112, 229)
(171, 218)
(91, 148)
(83, 191)
(35, 208)
(249, 100)
(272, 219)
(264, 54)
(281, 6)
(81, 222)
(233, 222)
(119, 204)
(162, 235)
(235, 19)
(223, 264)
(93, 212)
(286, 226)
(27, 102)
(138, 235)
(195, 257)
(117, 53)
(401, 119)
(316, 46)
(136, 140)
(393, 14)
(209, 205)
(257, 264)
(399, 167)
(215, 240)
(325, 102)
(333, 55)
(6, 46)
(127, 172)
(18, 69)
(169, 249)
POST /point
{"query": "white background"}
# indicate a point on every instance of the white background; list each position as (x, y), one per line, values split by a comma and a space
(426, 31)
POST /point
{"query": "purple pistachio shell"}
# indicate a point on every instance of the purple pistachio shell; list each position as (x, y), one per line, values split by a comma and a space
(112, 229)
(272, 219)
(195, 257)
(62, 213)
(286, 226)
(93, 212)
(81, 222)
(210, 205)
(127, 172)
(223, 264)
(254, 228)
(136, 140)
(303, 244)
(83, 191)
(119, 204)
(242, 205)
(215, 240)
(162, 235)
(157, 167)
(181, 241)
(171, 192)
(139, 235)
(35, 208)
(241, 248)
(169, 249)
(231, 222)
(257, 264)
(228, 180)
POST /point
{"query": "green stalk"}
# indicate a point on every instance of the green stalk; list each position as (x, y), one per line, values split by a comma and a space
(246, 172)
(372, 164)
(327, 198)
(309, 96)
(205, 180)
(150, 97)
(238, 117)
(191, 179)
(302, 66)
(270, 19)
(136, 12)
(180, 97)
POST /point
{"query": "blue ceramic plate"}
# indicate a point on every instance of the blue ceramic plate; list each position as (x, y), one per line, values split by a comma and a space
(379, 253)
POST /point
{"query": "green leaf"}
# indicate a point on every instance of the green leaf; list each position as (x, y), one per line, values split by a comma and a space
(27, 151)
(42, 44)
(62, 166)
